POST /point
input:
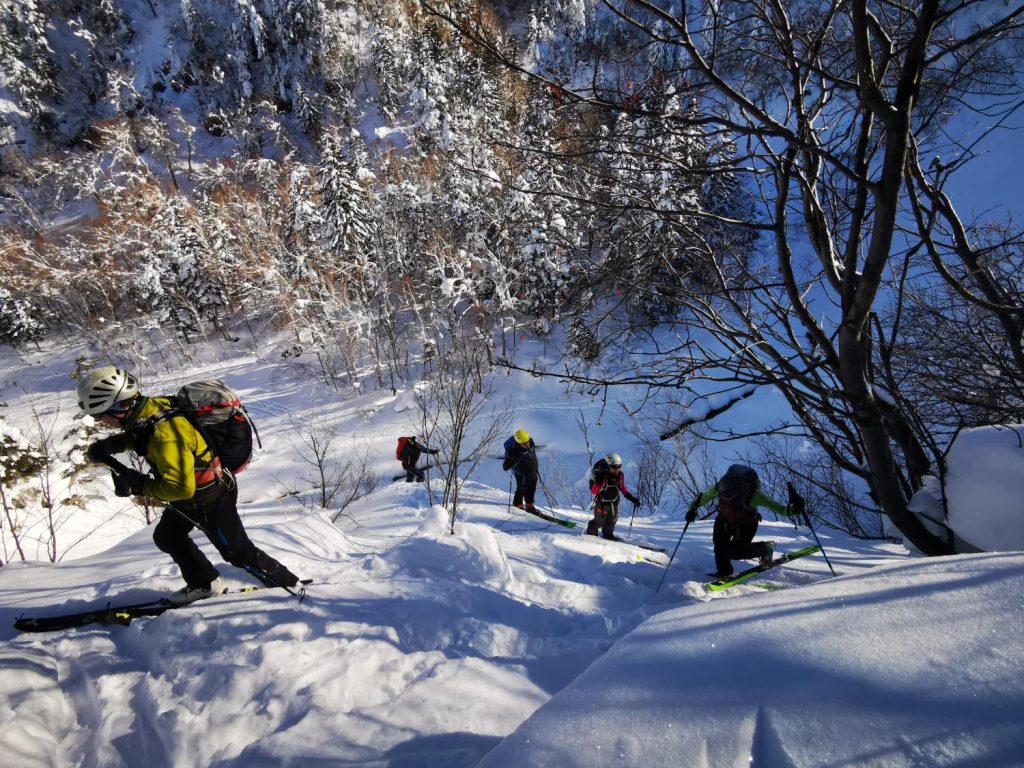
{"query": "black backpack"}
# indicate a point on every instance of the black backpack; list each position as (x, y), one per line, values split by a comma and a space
(216, 413)
(600, 475)
(735, 490)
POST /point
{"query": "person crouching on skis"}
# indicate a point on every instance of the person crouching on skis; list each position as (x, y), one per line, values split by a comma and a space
(739, 495)
(608, 484)
(189, 479)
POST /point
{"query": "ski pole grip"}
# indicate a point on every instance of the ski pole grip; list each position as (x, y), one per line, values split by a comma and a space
(98, 454)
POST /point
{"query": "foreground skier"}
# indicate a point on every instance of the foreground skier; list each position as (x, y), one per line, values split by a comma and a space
(198, 491)
(739, 495)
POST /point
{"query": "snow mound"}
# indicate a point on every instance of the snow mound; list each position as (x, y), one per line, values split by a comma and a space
(472, 555)
(985, 472)
(885, 668)
(987, 463)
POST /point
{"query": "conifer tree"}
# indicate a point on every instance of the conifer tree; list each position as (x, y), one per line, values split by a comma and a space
(25, 49)
(20, 320)
(303, 225)
(343, 214)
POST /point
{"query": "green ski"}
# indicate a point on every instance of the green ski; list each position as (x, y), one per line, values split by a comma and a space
(757, 570)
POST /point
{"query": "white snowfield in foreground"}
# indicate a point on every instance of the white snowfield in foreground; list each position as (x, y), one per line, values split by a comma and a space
(917, 664)
(417, 648)
(513, 642)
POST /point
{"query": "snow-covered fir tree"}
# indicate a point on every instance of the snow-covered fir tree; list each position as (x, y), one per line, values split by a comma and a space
(544, 231)
(303, 226)
(20, 320)
(30, 71)
(652, 244)
(344, 212)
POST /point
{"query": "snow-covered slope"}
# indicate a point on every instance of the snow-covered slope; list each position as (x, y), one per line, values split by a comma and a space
(415, 647)
(913, 664)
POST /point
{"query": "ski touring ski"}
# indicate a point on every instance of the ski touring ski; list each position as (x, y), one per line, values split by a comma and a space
(757, 570)
(562, 521)
(644, 545)
(123, 615)
(421, 469)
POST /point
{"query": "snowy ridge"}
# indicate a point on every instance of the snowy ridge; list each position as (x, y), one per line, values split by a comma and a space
(896, 667)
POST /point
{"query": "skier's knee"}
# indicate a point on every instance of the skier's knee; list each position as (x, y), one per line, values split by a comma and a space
(163, 542)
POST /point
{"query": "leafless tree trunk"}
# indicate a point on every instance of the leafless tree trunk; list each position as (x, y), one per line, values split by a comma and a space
(13, 521)
(337, 477)
(457, 401)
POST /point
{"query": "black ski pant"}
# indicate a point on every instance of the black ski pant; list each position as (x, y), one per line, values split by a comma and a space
(606, 515)
(733, 541)
(217, 515)
(409, 465)
(526, 488)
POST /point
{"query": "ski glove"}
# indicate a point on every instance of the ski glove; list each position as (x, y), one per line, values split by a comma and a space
(797, 506)
(128, 483)
(633, 500)
(691, 513)
(101, 451)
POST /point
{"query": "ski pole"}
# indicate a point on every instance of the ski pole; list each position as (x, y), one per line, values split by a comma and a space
(818, 542)
(673, 557)
(807, 519)
(547, 493)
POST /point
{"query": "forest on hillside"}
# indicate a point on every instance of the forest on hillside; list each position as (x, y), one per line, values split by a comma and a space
(706, 199)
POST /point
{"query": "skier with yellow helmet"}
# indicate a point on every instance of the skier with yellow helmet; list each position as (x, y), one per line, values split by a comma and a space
(521, 458)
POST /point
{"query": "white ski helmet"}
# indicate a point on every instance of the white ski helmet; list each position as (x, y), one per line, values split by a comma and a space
(613, 460)
(104, 387)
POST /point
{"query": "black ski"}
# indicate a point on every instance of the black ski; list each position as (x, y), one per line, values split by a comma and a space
(421, 469)
(121, 614)
(757, 570)
(562, 521)
(644, 545)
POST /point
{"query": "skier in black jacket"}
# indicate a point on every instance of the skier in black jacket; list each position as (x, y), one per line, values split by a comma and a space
(608, 484)
(409, 454)
(739, 495)
(521, 458)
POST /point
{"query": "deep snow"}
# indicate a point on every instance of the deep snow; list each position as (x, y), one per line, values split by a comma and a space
(513, 642)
